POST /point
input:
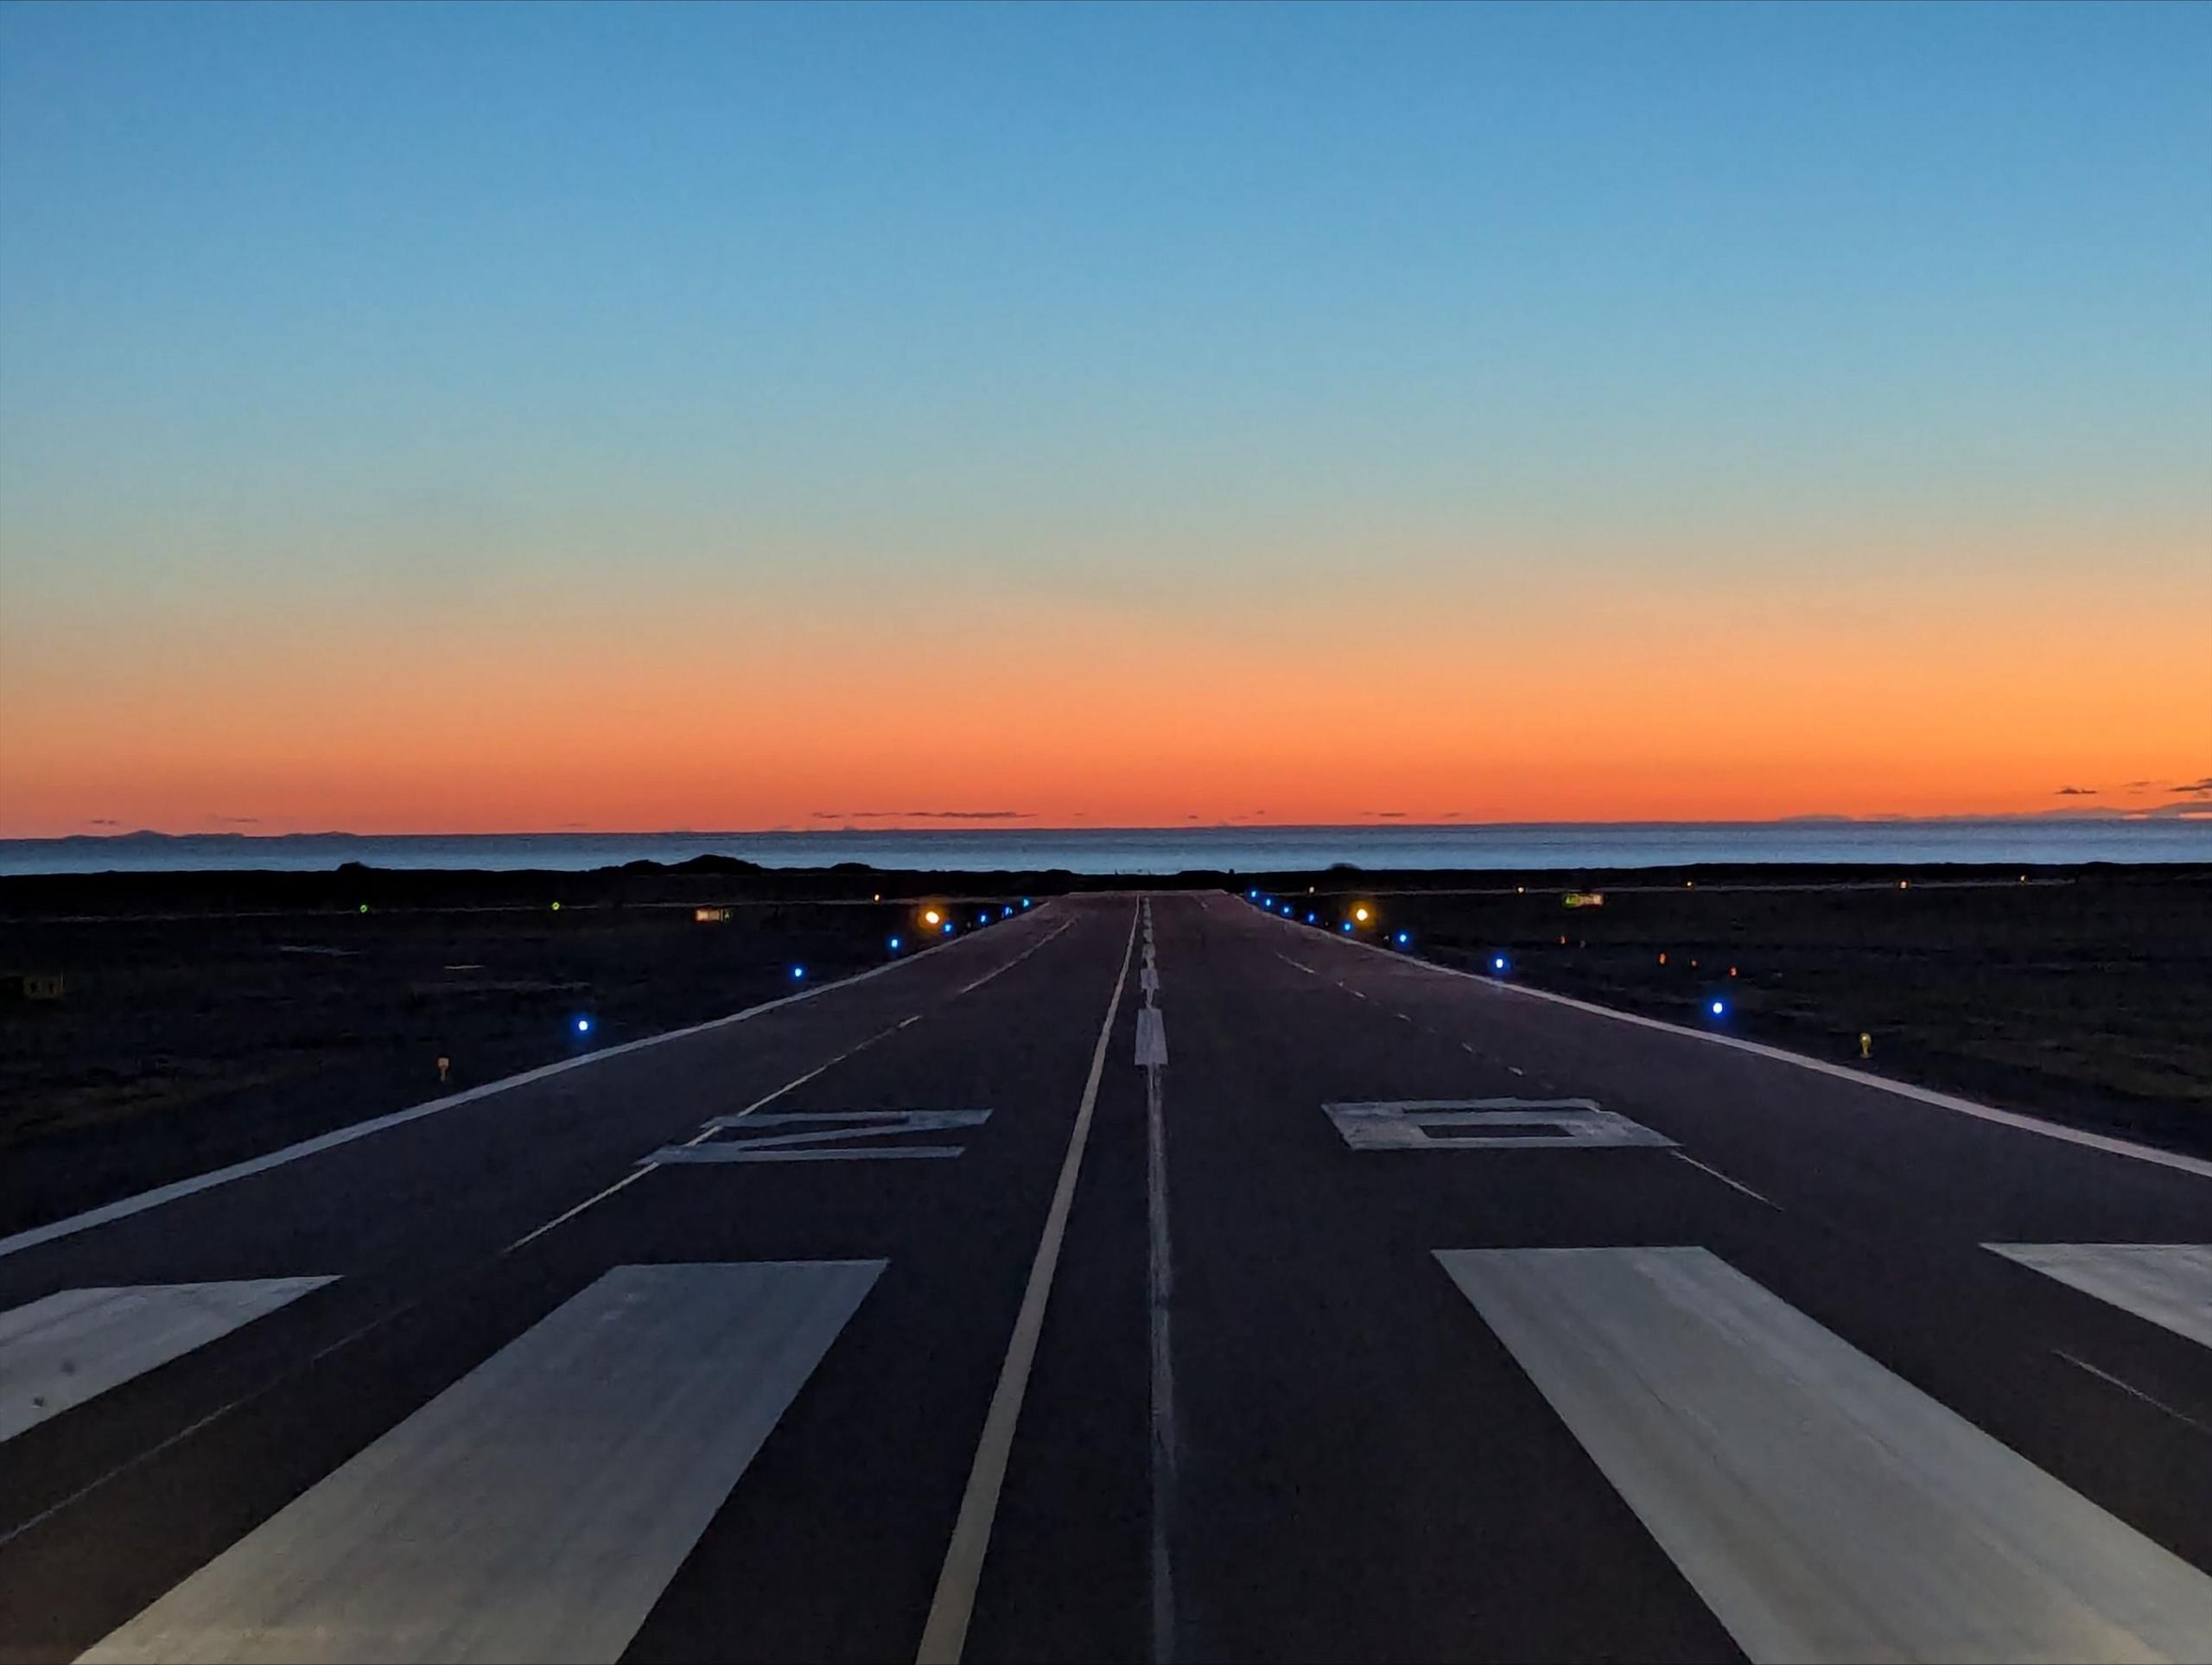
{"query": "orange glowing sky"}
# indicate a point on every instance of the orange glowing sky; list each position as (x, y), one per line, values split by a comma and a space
(703, 428)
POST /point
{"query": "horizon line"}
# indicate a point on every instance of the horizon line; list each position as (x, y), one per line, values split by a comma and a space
(2181, 810)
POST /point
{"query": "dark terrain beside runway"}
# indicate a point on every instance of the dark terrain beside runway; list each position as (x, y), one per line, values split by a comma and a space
(204, 1018)
(2084, 994)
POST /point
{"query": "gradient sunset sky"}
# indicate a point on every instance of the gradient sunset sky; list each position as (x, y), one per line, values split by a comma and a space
(421, 419)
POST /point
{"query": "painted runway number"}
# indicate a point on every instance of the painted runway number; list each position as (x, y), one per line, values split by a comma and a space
(1488, 1124)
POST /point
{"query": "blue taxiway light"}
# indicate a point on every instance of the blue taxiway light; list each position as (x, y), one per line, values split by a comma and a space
(1347, 927)
(583, 1025)
(1006, 913)
(894, 944)
(1498, 962)
(948, 927)
(982, 918)
(798, 972)
(1402, 938)
(1249, 896)
(1719, 1008)
(1310, 920)
(1024, 901)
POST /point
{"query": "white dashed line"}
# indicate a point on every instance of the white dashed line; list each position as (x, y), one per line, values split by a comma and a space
(701, 1137)
(2131, 1388)
(970, 988)
(1732, 1184)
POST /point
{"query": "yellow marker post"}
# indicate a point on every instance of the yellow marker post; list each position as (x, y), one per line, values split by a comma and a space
(1866, 1044)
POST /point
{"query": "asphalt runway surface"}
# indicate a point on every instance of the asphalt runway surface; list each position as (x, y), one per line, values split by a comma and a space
(1136, 1278)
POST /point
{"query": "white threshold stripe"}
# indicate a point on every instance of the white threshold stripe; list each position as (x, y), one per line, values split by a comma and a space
(71, 1346)
(944, 1634)
(2170, 1284)
(537, 1508)
(2105, 1142)
(127, 1206)
(1824, 1507)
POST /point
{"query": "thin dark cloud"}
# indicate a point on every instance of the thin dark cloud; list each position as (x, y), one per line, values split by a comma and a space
(1387, 815)
(2075, 791)
(924, 815)
(2139, 785)
(2196, 788)
(236, 820)
(105, 821)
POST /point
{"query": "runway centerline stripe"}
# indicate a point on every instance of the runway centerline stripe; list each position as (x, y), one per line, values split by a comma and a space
(75, 1344)
(1823, 1506)
(536, 1509)
(1160, 1282)
(945, 1631)
(2170, 1284)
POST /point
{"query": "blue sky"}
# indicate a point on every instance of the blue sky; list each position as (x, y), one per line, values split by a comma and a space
(358, 311)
